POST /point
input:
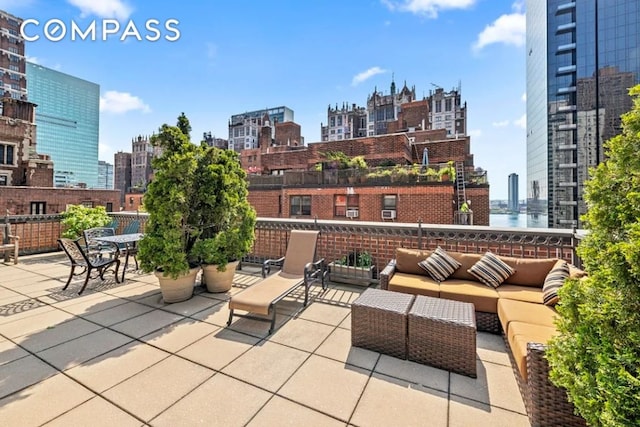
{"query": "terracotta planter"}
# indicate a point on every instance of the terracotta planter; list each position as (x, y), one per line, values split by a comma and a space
(180, 289)
(218, 281)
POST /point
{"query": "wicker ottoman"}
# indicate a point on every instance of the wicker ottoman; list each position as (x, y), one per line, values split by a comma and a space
(379, 321)
(442, 333)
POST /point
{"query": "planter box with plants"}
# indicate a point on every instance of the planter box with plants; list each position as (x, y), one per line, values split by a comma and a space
(357, 268)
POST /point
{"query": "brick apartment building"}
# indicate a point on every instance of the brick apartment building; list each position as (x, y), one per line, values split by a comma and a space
(290, 187)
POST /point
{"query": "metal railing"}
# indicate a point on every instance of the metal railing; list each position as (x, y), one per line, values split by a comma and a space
(339, 239)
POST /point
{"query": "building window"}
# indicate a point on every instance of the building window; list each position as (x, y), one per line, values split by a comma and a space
(3, 180)
(6, 154)
(332, 121)
(300, 205)
(109, 207)
(438, 106)
(339, 120)
(89, 204)
(38, 208)
(344, 202)
(389, 202)
(447, 104)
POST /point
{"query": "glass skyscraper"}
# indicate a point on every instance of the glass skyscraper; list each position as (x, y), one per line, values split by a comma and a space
(513, 204)
(67, 119)
(582, 58)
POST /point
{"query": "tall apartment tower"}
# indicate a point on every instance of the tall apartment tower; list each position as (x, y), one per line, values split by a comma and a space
(105, 175)
(513, 204)
(446, 111)
(582, 57)
(122, 173)
(142, 153)
(346, 122)
(13, 74)
(68, 121)
(244, 129)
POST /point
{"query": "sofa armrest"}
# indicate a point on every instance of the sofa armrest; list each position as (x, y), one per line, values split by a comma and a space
(387, 273)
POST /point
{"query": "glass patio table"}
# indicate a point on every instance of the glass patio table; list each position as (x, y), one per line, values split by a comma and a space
(128, 241)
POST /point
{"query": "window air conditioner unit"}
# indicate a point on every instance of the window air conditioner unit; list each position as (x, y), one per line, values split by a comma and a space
(352, 213)
(388, 214)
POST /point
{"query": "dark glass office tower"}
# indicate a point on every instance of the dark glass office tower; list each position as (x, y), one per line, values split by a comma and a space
(582, 57)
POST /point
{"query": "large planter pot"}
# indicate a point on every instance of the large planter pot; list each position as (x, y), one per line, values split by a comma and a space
(180, 289)
(218, 281)
(361, 276)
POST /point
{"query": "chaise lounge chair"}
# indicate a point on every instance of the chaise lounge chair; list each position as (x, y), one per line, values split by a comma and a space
(298, 269)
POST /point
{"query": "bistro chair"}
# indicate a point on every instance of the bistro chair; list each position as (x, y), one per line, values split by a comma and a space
(78, 258)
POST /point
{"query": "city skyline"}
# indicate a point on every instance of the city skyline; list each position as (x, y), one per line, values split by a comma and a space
(282, 57)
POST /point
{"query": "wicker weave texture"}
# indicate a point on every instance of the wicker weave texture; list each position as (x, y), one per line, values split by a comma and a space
(379, 321)
(488, 322)
(442, 333)
(546, 404)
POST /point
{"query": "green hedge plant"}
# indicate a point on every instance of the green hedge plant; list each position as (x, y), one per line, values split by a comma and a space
(77, 218)
(596, 358)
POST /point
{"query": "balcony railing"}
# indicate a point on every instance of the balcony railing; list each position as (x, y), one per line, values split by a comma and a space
(338, 239)
(412, 175)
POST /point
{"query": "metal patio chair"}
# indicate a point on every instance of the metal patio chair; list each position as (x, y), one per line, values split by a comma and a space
(79, 258)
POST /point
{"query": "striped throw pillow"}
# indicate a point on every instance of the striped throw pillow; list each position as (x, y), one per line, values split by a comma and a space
(491, 270)
(554, 281)
(440, 265)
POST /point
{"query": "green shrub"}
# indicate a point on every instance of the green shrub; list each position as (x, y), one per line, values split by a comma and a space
(78, 218)
(596, 358)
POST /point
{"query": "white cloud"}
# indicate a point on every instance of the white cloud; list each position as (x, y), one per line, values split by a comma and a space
(361, 77)
(507, 29)
(524, 97)
(521, 122)
(32, 59)
(103, 8)
(500, 124)
(105, 152)
(429, 8)
(121, 102)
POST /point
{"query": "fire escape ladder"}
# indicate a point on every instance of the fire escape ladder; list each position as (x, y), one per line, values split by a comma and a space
(460, 185)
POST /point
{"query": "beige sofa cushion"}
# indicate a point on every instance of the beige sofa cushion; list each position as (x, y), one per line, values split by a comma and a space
(519, 311)
(529, 271)
(407, 260)
(414, 284)
(481, 296)
(520, 334)
(520, 293)
(466, 261)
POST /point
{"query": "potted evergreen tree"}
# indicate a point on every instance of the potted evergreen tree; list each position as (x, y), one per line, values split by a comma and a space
(170, 232)
(225, 216)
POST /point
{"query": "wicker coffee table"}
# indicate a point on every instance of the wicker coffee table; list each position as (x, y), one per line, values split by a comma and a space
(379, 321)
(442, 333)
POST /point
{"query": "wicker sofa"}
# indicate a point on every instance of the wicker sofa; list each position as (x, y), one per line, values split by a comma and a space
(514, 309)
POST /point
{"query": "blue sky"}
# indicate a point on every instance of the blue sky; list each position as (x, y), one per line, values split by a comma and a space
(242, 55)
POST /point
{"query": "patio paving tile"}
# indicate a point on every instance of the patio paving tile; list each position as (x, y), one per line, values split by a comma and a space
(177, 336)
(267, 365)
(220, 401)
(90, 303)
(464, 412)
(10, 351)
(146, 323)
(153, 390)
(107, 370)
(57, 334)
(185, 308)
(338, 346)
(42, 402)
(427, 376)
(411, 404)
(495, 386)
(100, 412)
(22, 373)
(282, 412)
(79, 350)
(28, 323)
(346, 323)
(118, 313)
(491, 348)
(325, 313)
(326, 385)
(217, 314)
(302, 334)
(218, 350)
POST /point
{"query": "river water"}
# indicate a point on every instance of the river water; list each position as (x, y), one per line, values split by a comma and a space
(508, 220)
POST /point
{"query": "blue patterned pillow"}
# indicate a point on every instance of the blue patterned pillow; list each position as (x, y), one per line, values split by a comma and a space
(491, 270)
(440, 265)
